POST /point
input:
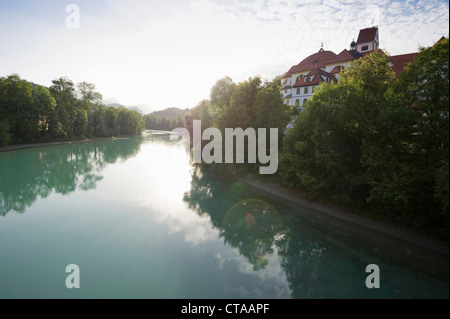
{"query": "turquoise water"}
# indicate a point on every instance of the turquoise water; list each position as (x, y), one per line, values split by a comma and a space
(140, 222)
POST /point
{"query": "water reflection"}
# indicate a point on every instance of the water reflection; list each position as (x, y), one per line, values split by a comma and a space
(252, 226)
(257, 230)
(318, 261)
(143, 226)
(28, 174)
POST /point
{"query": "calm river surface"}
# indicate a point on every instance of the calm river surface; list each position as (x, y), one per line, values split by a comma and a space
(140, 222)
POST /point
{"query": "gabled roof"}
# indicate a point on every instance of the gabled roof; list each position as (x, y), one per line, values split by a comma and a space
(289, 73)
(441, 39)
(316, 72)
(367, 35)
(335, 70)
(316, 60)
(399, 62)
(320, 60)
(345, 55)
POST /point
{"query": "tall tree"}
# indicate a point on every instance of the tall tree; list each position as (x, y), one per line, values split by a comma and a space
(63, 90)
(242, 111)
(44, 104)
(222, 91)
(323, 151)
(16, 109)
(409, 161)
(88, 93)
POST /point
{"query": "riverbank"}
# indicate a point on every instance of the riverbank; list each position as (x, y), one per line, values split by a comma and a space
(322, 211)
(21, 146)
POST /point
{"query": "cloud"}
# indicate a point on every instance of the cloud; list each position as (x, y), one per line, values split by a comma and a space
(170, 53)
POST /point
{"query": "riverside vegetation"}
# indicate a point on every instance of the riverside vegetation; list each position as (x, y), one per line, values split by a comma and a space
(31, 113)
(373, 143)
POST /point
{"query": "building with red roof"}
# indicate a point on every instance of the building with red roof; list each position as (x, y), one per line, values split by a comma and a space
(299, 82)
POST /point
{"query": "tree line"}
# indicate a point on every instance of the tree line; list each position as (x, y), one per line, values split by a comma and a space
(378, 143)
(166, 120)
(55, 169)
(31, 113)
(373, 142)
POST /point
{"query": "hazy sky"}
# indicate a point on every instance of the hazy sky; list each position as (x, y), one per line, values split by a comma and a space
(165, 53)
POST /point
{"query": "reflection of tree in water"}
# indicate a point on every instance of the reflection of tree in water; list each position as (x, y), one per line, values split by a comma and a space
(252, 226)
(303, 261)
(207, 197)
(248, 225)
(256, 229)
(28, 174)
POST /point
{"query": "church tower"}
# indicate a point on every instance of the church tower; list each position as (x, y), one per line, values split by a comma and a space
(368, 40)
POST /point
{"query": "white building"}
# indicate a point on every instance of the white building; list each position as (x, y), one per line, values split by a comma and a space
(298, 84)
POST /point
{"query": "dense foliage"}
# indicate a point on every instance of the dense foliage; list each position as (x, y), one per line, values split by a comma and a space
(32, 113)
(166, 120)
(372, 140)
(249, 104)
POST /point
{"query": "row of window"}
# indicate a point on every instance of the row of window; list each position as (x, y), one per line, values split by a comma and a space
(305, 90)
(297, 102)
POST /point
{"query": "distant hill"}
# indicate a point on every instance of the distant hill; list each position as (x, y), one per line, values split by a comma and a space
(170, 112)
(132, 108)
(135, 108)
(116, 105)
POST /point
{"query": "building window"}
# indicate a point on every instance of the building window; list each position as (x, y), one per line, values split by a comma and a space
(365, 47)
(297, 103)
(285, 91)
(298, 90)
(308, 79)
(304, 101)
(306, 90)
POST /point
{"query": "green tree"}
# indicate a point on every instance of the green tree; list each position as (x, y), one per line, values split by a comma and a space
(271, 112)
(206, 112)
(45, 105)
(222, 91)
(130, 122)
(63, 90)
(96, 121)
(17, 110)
(111, 123)
(408, 158)
(322, 154)
(88, 93)
(242, 110)
(80, 122)
(373, 140)
(5, 135)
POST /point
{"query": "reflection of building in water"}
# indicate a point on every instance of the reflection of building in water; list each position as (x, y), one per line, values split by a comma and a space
(299, 82)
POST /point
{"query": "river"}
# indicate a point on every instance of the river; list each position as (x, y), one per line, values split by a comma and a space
(140, 222)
